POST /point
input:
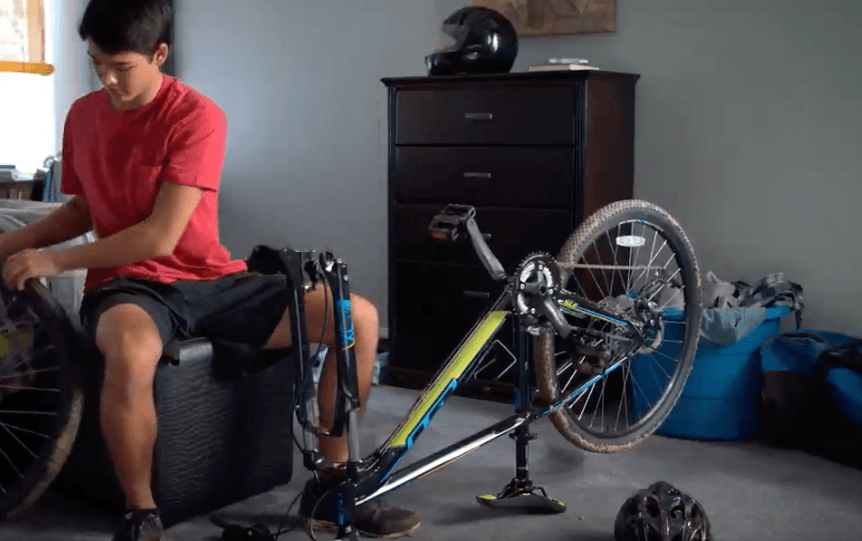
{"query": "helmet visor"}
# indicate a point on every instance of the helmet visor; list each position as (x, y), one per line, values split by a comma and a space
(451, 38)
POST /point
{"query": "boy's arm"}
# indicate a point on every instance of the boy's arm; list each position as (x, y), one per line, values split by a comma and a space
(156, 236)
(67, 222)
(153, 237)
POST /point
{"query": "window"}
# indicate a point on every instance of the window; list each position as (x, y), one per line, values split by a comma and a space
(28, 128)
(22, 37)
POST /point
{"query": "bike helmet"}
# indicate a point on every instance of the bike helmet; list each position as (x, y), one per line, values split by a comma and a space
(662, 513)
(474, 40)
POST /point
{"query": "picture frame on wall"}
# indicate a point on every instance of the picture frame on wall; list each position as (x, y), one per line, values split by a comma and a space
(554, 17)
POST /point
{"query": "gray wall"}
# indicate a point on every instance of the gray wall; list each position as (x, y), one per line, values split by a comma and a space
(748, 130)
(747, 126)
(300, 83)
(74, 76)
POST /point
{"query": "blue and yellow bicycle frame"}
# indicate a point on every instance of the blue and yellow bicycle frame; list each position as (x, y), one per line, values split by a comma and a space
(371, 477)
(455, 371)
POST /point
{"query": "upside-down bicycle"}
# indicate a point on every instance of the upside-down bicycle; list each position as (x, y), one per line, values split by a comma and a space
(574, 344)
(604, 312)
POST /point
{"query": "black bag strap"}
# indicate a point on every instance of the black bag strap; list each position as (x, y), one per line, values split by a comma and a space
(794, 337)
(845, 356)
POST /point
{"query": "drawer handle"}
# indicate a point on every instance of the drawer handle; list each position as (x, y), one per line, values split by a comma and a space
(477, 294)
(486, 176)
(479, 116)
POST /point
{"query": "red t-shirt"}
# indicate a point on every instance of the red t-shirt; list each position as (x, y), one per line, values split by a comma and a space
(117, 161)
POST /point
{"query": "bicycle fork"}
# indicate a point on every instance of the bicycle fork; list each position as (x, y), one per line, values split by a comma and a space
(348, 403)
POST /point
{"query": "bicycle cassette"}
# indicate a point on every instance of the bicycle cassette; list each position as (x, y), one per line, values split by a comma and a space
(536, 280)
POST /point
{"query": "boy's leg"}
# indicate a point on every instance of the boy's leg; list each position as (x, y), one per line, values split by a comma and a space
(129, 330)
(381, 522)
(131, 346)
(366, 330)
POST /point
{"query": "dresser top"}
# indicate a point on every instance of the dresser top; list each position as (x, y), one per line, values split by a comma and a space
(519, 76)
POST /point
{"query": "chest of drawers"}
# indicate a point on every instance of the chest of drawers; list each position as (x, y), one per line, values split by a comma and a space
(535, 153)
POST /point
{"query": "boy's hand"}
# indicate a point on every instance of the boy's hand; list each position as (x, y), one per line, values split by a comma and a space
(28, 264)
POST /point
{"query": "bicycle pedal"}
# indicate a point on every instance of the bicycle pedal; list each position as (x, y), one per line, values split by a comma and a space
(532, 503)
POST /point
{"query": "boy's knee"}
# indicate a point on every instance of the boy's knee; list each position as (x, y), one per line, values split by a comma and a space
(365, 315)
(131, 347)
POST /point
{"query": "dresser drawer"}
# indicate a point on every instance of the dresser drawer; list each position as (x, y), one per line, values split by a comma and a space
(486, 116)
(424, 343)
(434, 307)
(514, 233)
(526, 176)
(442, 291)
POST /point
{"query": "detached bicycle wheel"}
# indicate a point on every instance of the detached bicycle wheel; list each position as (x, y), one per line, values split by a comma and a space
(41, 397)
(633, 259)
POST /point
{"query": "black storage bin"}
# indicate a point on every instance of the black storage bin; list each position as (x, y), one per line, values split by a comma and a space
(224, 434)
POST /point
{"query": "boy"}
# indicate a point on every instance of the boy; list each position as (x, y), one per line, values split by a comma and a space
(142, 158)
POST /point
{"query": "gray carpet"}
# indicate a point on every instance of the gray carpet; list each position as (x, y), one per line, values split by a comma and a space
(750, 492)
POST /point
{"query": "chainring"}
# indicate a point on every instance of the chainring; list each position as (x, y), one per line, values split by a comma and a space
(536, 279)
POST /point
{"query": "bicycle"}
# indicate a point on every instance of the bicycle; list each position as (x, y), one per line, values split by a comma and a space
(535, 300)
(560, 331)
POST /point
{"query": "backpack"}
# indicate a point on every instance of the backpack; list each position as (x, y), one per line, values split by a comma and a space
(812, 394)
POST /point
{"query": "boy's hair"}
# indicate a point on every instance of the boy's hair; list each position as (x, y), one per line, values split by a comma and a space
(127, 25)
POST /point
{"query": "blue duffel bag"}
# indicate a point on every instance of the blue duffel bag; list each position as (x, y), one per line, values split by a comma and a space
(812, 393)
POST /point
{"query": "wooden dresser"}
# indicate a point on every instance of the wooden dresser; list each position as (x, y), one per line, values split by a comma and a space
(535, 153)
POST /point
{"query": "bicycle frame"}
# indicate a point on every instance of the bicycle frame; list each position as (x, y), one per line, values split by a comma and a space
(375, 475)
(381, 478)
(458, 367)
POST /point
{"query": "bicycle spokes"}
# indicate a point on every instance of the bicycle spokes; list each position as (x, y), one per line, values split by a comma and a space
(29, 390)
(631, 271)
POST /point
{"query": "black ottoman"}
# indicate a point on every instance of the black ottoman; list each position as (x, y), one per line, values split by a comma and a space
(224, 434)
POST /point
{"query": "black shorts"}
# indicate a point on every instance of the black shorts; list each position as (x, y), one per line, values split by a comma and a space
(238, 311)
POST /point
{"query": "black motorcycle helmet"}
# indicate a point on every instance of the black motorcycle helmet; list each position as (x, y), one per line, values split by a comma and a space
(662, 513)
(474, 40)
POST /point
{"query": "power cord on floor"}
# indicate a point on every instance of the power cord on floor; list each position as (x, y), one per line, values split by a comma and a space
(256, 532)
(279, 531)
(313, 512)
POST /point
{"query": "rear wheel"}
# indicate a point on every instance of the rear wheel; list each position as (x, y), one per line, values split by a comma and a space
(632, 258)
(41, 397)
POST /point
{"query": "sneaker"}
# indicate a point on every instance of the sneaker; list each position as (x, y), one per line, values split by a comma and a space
(371, 520)
(140, 525)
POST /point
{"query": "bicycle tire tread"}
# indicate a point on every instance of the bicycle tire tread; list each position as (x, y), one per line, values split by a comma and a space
(543, 344)
(44, 471)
